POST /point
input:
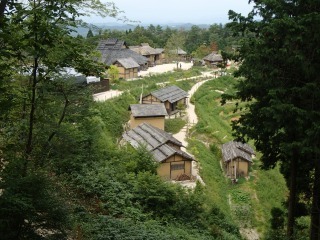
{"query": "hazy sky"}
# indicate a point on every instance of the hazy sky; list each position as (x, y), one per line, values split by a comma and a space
(178, 11)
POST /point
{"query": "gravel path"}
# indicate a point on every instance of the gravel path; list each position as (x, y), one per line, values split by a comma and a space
(192, 119)
(164, 68)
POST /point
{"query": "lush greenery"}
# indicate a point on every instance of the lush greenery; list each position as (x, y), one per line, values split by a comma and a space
(197, 41)
(280, 65)
(64, 172)
(174, 125)
(251, 201)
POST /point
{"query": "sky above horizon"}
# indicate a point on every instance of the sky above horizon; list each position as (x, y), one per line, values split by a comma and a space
(174, 11)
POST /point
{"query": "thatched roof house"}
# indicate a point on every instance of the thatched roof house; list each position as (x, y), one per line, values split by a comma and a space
(237, 158)
(170, 96)
(213, 59)
(164, 148)
(153, 114)
(180, 54)
(113, 49)
(153, 55)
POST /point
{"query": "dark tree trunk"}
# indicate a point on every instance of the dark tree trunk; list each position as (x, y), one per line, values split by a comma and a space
(292, 199)
(3, 5)
(315, 209)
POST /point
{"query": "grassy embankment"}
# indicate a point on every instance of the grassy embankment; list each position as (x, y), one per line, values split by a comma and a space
(123, 200)
(251, 200)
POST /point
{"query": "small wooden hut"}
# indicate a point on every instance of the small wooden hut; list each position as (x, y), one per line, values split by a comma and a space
(213, 59)
(165, 150)
(171, 97)
(154, 114)
(128, 68)
(237, 158)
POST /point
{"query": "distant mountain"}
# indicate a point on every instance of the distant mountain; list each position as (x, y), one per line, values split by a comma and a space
(123, 27)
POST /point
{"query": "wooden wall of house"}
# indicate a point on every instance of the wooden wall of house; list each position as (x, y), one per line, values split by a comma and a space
(154, 121)
(173, 167)
(159, 59)
(242, 168)
(128, 73)
(149, 99)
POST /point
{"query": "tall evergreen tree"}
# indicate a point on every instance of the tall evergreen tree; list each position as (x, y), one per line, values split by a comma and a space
(279, 61)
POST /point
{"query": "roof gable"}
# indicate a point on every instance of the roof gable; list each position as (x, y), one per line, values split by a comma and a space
(155, 140)
(145, 49)
(148, 110)
(213, 57)
(128, 62)
(113, 49)
(178, 51)
(233, 149)
(111, 43)
(171, 94)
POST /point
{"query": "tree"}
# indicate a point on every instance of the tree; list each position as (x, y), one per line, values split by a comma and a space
(201, 51)
(174, 43)
(36, 100)
(280, 86)
(194, 39)
(113, 73)
(90, 33)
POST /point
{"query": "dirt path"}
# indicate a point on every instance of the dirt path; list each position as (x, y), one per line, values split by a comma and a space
(164, 68)
(103, 96)
(192, 119)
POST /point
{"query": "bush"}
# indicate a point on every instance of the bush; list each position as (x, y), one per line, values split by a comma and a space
(174, 125)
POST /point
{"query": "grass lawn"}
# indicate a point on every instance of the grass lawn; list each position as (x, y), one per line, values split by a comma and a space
(248, 202)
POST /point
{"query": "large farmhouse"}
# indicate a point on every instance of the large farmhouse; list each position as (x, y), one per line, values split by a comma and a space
(154, 55)
(116, 52)
(213, 59)
(164, 148)
(171, 97)
(237, 157)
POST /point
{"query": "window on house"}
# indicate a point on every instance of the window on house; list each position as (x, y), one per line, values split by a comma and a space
(177, 167)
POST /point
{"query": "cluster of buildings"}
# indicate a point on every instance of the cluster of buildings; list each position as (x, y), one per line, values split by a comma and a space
(132, 59)
(147, 119)
(146, 129)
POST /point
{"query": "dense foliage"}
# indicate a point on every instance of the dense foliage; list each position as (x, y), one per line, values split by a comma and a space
(64, 173)
(251, 201)
(197, 41)
(280, 60)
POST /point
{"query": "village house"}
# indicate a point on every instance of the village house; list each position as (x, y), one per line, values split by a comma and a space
(172, 97)
(153, 55)
(153, 114)
(165, 149)
(128, 68)
(237, 158)
(181, 54)
(213, 60)
(114, 51)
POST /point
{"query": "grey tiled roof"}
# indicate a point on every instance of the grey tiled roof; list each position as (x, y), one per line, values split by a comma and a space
(233, 149)
(156, 142)
(111, 43)
(213, 57)
(171, 94)
(128, 62)
(148, 110)
(112, 49)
